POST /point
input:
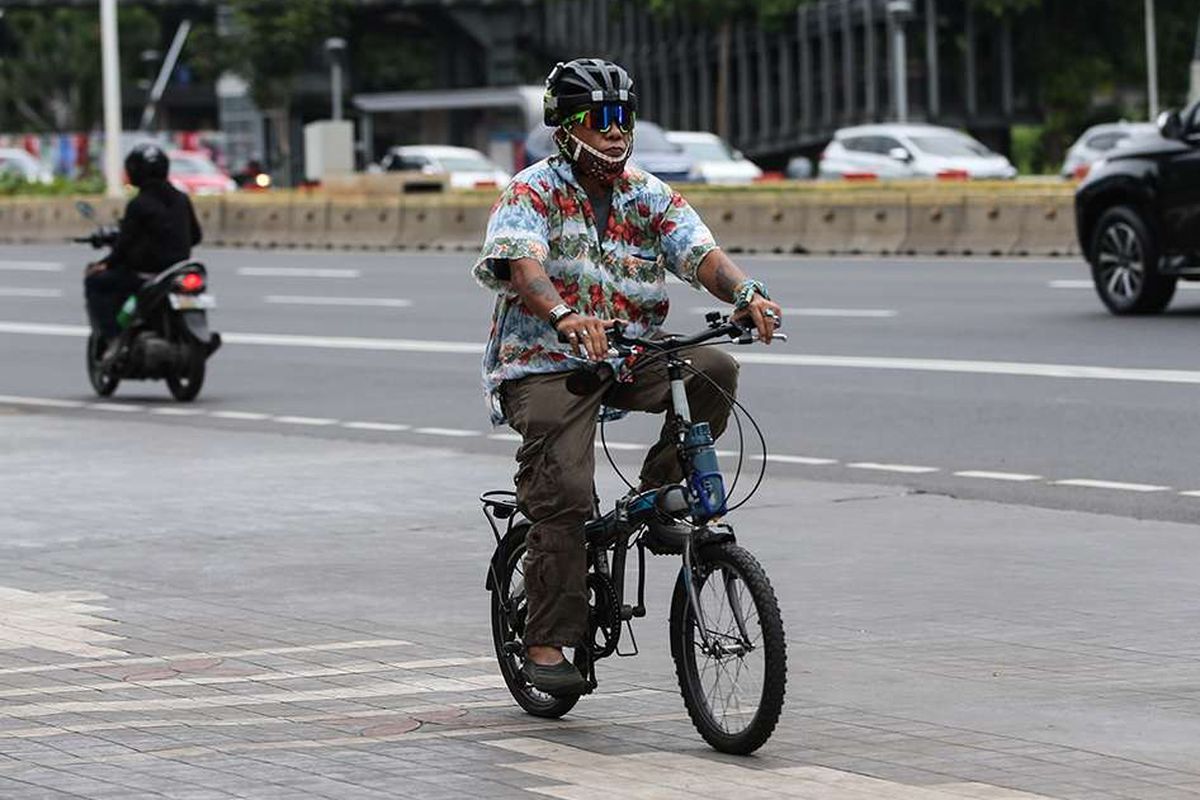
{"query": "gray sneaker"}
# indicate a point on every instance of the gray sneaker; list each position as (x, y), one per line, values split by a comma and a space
(556, 680)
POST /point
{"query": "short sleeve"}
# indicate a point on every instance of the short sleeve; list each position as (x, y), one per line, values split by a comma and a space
(684, 238)
(518, 228)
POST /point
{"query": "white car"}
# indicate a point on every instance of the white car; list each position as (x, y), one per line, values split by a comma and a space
(713, 160)
(910, 151)
(1098, 140)
(20, 162)
(465, 168)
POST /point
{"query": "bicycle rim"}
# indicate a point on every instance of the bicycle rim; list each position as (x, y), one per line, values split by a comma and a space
(734, 686)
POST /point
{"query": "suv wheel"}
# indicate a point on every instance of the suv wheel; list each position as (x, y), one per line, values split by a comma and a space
(1125, 265)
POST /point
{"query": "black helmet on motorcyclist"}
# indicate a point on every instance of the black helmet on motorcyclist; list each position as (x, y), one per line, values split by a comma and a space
(146, 163)
(596, 94)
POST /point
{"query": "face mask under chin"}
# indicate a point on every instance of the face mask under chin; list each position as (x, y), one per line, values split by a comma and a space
(592, 162)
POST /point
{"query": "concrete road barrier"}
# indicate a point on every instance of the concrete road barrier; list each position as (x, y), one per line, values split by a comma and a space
(882, 219)
(365, 225)
(463, 223)
(1047, 228)
(991, 226)
(934, 224)
(828, 224)
(879, 227)
(309, 223)
(210, 213)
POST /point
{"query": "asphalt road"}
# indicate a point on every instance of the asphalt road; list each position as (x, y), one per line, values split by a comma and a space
(899, 371)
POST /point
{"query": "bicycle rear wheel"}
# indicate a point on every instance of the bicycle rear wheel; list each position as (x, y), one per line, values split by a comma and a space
(509, 626)
(734, 687)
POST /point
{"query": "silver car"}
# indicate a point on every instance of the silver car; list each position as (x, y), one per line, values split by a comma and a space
(910, 151)
(1098, 140)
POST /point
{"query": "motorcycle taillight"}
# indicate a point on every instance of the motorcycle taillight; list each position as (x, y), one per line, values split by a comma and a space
(192, 282)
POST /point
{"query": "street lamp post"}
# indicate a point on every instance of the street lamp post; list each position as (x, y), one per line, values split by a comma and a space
(898, 12)
(334, 47)
(1151, 60)
(111, 78)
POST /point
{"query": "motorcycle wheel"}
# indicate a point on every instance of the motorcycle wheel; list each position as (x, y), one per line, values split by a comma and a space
(104, 383)
(185, 384)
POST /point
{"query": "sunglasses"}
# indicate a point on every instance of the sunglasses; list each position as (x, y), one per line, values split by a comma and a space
(602, 117)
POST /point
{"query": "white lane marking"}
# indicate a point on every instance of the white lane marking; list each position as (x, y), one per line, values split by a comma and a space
(1012, 368)
(865, 313)
(466, 683)
(908, 469)
(48, 402)
(375, 426)
(168, 411)
(623, 446)
(314, 421)
(454, 432)
(6, 291)
(1087, 483)
(263, 675)
(806, 460)
(997, 476)
(167, 660)
(348, 343)
(121, 407)
(298, 300)
(31, 266)
(1087, 284)
(241, 415)
(630, 446)
(297, 272)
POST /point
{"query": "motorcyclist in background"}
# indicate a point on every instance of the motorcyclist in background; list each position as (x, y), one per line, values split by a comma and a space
(158, 230)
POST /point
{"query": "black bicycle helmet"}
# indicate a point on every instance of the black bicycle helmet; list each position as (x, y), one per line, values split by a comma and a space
(145, 163)
(582, 82)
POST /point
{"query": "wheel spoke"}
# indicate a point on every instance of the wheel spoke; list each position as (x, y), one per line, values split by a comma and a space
(731, 684)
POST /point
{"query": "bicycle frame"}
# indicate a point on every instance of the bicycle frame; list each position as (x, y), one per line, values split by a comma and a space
(614, 529)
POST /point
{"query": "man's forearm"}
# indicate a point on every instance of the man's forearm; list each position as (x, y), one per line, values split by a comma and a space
(720, 276)
(534, 287)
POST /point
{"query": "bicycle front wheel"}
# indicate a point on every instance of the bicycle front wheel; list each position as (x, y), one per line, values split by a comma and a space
(733, 673)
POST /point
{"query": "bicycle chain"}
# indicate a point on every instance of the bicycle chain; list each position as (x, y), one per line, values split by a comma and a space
(604, 620)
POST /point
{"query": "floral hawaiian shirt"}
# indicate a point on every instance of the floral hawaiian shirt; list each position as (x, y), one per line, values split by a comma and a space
(545, 214)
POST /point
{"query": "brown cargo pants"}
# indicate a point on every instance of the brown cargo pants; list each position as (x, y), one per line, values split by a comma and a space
(556, 466)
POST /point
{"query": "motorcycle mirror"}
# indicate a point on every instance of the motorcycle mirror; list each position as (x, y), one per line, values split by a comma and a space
(85, 209)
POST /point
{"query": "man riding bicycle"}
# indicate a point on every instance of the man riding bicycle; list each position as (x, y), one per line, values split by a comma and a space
(575, 242)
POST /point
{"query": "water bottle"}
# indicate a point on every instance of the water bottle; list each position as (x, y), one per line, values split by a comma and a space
(127, 312)
(705, 481)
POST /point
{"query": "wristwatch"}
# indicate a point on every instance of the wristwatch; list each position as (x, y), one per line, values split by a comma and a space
(559, 313)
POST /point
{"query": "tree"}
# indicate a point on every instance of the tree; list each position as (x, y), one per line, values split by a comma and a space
(270, 44)
(50, 67)
(1086, 62)
(720, 15)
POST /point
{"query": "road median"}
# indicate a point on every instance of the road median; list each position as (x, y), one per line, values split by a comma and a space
(941, 218)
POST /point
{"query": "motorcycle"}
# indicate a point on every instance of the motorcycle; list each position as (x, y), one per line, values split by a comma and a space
(164, 327)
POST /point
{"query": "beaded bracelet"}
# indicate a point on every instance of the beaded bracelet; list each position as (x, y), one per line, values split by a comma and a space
(746, 291)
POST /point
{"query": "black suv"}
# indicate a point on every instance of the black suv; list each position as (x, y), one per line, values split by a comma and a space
(1137, 216)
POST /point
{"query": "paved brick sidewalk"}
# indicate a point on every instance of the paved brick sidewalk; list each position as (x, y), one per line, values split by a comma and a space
(261, 616)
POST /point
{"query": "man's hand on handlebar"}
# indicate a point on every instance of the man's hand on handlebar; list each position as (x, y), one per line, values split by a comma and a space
(94, 268)
(766, 315)
(586, 335)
